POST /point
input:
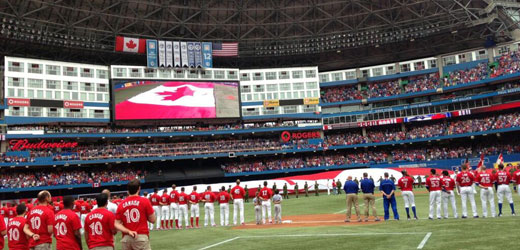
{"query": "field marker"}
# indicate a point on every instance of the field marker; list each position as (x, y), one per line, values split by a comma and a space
(423, 242)
(345, 210)
(219, 243)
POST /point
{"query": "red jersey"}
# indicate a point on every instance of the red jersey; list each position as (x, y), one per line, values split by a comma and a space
(11, 212)
(223, 197)
(238, 192)
(117, 201)
(133, 212)
(503, 178)
(84, 208)
(165, 199)
(15, 235)
(3, 211)
(266, 193)
(485, 179)
(194, 197)
(2, 228)
(154, 199)
(448, 183)
(65, 223)
(516, 177)
(434, 183)
(29, 206)
(174, 196)
(77, 205)
(183, 198)
(57, 206)
(99, 226)
(209, 197)
(405, 183)
(465, 179)
(39, 219)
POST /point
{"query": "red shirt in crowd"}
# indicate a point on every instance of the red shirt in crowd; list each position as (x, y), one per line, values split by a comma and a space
(465, 179)
(434, 183)
(65, 223)
(405, 183)
(154, 199)
(448, 183)
(503, 177)
(194, 197)
(238, 192)
(99, 226)
(183, 198)
(174, 197)
(223, 197)
(39, 218)
(133, 212)
(15, 235)
(266, 193)
(165, 199)
(209, 197)
(485, 179)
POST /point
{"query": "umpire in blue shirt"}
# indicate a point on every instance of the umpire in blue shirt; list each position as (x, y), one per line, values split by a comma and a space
(387, 188)
(351, 189)
(367, 187)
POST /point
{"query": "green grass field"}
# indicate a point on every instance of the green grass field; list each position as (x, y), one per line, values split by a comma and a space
(488, 233)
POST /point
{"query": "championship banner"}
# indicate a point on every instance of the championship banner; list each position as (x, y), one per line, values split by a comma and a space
(184, 54)
(191, 54)
(151, 53)
(198, 55)
(311, 101)
(169, 54)
(207, 56)
(162, 53)
(177, 54)
(271, 103)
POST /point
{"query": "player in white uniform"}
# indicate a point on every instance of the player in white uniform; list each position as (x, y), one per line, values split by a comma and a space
(503, 179)
(174, 207)
(183, 209)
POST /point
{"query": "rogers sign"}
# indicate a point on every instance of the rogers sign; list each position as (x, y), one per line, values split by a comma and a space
(18, 102)
(24, 144)
(72, 104)
(287, 136)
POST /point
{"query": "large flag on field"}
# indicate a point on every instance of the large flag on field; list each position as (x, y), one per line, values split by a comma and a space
(225, 49)
(172, 100)
(130, 44)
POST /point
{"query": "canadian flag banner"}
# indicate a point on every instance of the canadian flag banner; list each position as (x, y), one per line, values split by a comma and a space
(130, 44)
(500, 160)
(171, 100)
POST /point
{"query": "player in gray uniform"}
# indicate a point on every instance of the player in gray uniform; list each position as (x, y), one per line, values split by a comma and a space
(257, 202)
(277, 200)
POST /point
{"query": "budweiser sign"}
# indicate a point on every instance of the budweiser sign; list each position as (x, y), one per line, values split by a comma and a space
(24, 144)
(287, 136)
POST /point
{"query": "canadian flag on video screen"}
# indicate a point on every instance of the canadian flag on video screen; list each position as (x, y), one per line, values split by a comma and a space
(176, 100)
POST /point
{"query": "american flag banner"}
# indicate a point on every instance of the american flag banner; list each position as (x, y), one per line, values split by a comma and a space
(225, 49)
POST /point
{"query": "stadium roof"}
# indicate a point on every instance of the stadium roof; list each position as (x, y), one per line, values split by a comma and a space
(332, 34)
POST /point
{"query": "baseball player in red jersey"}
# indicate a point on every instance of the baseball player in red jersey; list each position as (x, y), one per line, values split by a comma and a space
(209, 198)
(265, 195)
(405, 183)
(223, 200)
(132, 217)
(67, 227)
(165, 209)
(433, 184)
(516, 179)
(3, 213)
(174, 207)
(3, 231)
(448, 194)
(84, 209)
(15, 236)
(40, 223)
(99, 225)
(503, 178)
(11, 211)
(465, 181)
(57, 206)
(237, 194)
(485, 181)
(183, 208)
(154, 199)
(194, 199)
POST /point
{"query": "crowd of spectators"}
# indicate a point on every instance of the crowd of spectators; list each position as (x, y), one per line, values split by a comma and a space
(384, 89)
(463, 76)
(51, 177)
(422, 83)
(341, 94)
(508, 63)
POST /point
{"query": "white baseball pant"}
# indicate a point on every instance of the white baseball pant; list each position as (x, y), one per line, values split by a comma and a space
(266, 206)
(82, 218)
(209, 212)
(194, 210)
(504, 190)
(449, 196)
(165, 215)
(224, 214)
(238, 206)
(183, 213)
(278, 213)
(435, 200)
(174, 211)
(487, 195)
(409, 199)
(6, 220)
(157, 210)
(465, 193)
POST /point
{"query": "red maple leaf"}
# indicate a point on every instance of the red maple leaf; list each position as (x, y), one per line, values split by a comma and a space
(131, 44)
(180, 92)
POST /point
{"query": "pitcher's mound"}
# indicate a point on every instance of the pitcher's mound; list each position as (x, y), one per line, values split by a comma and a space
(310, 220)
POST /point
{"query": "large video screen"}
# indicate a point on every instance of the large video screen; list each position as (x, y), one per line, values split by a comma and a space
(144, 100)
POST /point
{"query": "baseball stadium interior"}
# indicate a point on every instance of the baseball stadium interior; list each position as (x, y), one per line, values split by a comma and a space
(306, 95)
